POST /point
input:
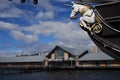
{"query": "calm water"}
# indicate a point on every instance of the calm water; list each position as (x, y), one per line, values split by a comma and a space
(66, 75)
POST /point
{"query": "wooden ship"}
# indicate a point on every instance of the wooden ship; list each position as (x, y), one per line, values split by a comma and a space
(109, 38)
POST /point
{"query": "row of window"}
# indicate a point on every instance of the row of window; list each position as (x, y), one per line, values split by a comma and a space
(59, 54)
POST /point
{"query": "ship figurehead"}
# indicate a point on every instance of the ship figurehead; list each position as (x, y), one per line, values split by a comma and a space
(88, 20)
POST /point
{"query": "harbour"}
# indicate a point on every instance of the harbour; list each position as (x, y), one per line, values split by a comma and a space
(9, 71)
(39, 42)
(66, 75)
(60, 58)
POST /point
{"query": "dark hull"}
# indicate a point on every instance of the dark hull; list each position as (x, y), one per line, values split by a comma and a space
(109, 40)
(110, 12)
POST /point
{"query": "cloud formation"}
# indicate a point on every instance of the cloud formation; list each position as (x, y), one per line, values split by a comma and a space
(21, 36)
(45, 15)
(43, 21)
(65, 33)
(8, 26)
(8, 9)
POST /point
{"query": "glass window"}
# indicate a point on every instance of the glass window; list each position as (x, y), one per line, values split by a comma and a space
(59, 54)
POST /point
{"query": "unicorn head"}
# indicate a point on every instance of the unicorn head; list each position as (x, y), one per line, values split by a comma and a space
(76, 8)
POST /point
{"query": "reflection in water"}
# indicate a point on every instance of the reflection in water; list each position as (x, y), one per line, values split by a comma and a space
(66, 75)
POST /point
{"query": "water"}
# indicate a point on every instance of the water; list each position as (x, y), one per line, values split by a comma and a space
(66, 75)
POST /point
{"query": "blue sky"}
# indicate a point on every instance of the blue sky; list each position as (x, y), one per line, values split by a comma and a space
(28, 29)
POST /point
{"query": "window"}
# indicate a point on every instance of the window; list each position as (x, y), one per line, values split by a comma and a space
(59, 54)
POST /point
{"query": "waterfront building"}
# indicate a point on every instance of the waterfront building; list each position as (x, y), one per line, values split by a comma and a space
(94, 49)
(97, 60)
(22, 62)
(70, 57)
(61, 57)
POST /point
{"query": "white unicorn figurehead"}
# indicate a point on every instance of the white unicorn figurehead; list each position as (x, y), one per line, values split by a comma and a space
(77, 8)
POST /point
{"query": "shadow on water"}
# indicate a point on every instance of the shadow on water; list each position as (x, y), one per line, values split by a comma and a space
(66, 75)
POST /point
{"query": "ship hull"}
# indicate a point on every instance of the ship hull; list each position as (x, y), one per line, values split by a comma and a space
(109, 40)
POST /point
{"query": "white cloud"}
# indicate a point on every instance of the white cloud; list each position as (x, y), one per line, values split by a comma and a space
(21, 36)
(46, 15)
(4, 4)
(8, 26)
(46, 5)
(67, 33)
(16, 32)
(8, 9)
(64, 32)
(61, 30)
(12, 12)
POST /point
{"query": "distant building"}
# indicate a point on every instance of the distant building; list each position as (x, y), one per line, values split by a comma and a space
(65, 56)
(22, 62)
(94, 49)
(97, 60)
(61, 56)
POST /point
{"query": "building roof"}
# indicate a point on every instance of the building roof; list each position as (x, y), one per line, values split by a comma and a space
(95, 57)
(73, 51)
(22, 59)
